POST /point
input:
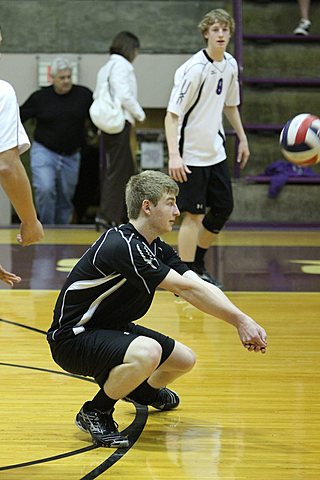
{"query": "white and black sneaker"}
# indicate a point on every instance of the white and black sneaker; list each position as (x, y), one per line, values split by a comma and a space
(303, 27)
(101, 426)
(166, 399)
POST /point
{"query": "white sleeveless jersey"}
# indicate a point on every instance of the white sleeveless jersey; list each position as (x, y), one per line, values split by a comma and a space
(202, 88)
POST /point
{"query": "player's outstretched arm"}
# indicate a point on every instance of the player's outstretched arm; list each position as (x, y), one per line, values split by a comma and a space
(213, 301)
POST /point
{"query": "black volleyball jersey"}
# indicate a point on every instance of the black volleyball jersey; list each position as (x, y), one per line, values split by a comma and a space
(113, 283)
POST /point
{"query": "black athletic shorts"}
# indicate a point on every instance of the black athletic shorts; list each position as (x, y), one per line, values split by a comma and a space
(206, 187)
(94, 353)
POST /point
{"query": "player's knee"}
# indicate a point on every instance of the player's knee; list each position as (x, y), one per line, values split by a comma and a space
(190, 359)
(151, 356)
(214, 222)
(146, 353)
(192, 218)
(186, 359)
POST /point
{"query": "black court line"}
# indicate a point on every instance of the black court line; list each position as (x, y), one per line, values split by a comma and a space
(48, 370)
(23, 326)
(133, 431)
(49, 459)
(73, 375)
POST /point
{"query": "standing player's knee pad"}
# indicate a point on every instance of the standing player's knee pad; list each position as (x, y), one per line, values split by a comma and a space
(214, 222)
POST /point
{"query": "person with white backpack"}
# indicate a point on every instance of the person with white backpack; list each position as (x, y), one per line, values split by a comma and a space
(114, 111)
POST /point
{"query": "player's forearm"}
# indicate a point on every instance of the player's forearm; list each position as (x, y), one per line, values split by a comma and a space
(213, 301)
(203, 295)
(171, 129)
(233, 115)
(15, 183)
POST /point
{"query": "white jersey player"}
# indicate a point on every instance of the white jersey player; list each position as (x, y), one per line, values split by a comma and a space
(205, 88)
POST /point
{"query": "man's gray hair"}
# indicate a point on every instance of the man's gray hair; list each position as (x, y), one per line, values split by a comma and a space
(58, 64)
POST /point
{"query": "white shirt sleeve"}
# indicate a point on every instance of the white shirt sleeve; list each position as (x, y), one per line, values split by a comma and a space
(12, 133)
(187, 83)
(233, 94)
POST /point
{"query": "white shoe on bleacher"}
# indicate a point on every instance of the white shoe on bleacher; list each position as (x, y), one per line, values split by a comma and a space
(303, 27)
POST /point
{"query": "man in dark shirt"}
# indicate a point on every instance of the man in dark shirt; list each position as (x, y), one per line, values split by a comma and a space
(94, 332)
(61, 111)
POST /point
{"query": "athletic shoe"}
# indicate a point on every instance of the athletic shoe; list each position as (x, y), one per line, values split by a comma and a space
(101, 426)
(166, 400)
(205, 275)
(303, 27)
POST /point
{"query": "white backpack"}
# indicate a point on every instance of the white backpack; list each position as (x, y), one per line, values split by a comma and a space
(106, 111)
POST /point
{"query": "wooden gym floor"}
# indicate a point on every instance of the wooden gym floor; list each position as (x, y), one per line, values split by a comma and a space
(242, 415)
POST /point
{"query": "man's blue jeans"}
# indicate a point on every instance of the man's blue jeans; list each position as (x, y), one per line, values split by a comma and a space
(54, 179)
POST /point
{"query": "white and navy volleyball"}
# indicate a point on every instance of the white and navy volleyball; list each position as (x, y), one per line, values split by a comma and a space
(300, 139)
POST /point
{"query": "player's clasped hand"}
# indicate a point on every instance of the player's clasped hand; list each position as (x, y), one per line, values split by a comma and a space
(30, 233)
(252, 336)
(254, 348)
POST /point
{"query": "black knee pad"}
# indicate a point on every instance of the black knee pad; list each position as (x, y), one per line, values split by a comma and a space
(214, 222)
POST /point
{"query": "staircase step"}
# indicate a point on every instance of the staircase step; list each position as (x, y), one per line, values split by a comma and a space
(281, 38)
(281, 82)
(296, 203)
(314, 180)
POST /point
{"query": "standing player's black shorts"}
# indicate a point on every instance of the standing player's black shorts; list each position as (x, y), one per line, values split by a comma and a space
(94, 353)
(207, 187)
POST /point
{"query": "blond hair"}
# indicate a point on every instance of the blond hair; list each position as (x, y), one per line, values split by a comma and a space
(148, 185)
(218, 15)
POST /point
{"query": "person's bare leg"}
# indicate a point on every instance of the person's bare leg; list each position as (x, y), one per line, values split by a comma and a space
(140, 361)
(181, 361)
(96, 417)
(305, 23)
(206, 238)
(304, 7)
(154, 390)
(188, 236)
